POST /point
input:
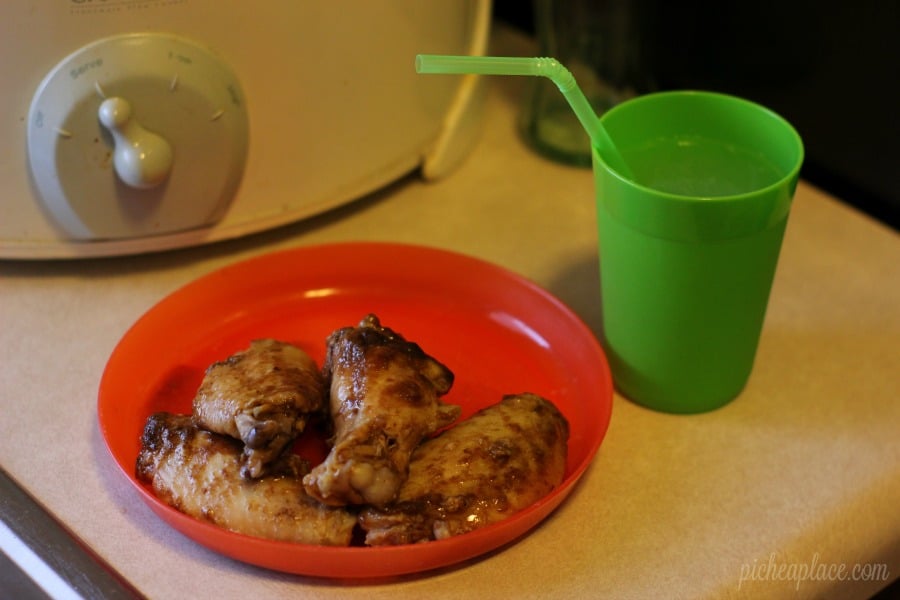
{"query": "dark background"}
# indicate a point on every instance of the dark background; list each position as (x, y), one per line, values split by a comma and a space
(830, 68)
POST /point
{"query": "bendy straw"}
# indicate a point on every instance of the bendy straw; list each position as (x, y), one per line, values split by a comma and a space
(542, 67)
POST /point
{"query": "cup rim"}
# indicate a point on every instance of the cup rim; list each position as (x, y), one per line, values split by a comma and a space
(791, 174)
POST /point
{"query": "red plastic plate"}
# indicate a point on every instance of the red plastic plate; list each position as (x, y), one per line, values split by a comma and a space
(497, 332)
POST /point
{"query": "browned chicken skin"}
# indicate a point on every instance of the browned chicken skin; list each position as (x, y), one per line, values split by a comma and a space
(262, 396)
(198, 472)
(385, 399)
(501, 460)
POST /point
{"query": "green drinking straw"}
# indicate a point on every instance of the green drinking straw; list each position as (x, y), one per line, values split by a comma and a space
(542, 67)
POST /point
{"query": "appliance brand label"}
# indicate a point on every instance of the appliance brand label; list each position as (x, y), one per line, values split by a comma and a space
(94, 7)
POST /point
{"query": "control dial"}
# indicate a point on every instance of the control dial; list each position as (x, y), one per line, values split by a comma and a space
(135, 135)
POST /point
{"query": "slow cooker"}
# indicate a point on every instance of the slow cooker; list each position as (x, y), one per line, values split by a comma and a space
(131, 126)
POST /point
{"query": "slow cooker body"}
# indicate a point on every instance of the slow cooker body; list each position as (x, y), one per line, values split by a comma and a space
(135, 126)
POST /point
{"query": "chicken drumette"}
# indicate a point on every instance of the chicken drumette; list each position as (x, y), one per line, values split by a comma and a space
(264, 397)
(385, 399)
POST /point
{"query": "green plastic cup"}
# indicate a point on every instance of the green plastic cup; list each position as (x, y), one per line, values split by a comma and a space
(689, 246)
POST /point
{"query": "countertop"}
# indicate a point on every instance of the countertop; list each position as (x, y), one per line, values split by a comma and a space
(799, 474)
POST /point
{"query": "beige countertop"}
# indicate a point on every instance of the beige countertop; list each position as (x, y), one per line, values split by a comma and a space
(800, 474)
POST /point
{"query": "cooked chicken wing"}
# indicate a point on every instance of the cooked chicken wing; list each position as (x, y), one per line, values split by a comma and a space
(499, 461)
(385, 398)
(198, 472)
(262, 396)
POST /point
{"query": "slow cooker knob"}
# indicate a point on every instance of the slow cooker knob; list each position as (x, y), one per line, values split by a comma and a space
(141, 158)
(138, 134)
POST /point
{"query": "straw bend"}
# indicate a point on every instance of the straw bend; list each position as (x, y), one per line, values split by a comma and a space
(557, 73)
